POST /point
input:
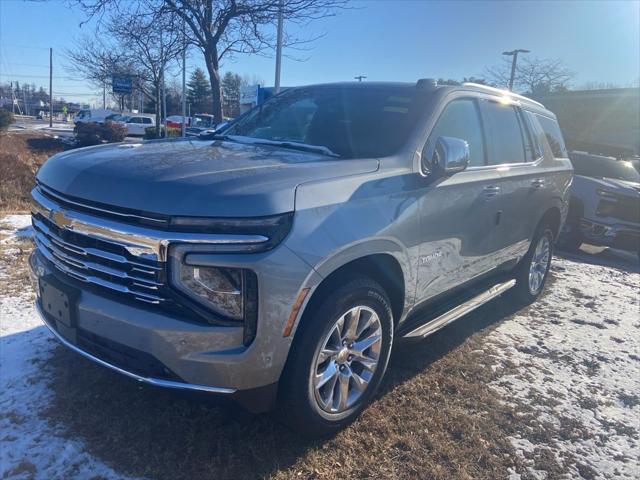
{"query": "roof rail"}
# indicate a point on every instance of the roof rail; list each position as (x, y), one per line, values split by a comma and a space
(501, 92)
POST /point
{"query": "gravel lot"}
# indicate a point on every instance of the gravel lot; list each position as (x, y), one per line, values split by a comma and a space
(551, 391)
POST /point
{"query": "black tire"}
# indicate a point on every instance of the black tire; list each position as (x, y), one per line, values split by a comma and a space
(522, 292)
(297, 396)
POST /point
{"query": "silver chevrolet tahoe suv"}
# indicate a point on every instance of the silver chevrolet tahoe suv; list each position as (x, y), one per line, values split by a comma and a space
(279, 260)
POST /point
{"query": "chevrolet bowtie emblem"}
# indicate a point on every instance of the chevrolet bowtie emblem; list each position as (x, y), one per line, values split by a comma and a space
(59, 218)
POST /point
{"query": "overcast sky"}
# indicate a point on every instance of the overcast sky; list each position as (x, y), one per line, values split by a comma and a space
(384, 40)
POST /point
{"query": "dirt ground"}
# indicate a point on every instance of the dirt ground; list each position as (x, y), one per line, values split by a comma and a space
(502, 393)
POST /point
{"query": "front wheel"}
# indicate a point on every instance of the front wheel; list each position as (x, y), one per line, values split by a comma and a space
(338, 358)
(533, 269)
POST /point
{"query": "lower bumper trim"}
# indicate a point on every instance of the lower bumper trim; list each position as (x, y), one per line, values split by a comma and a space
(148, 380)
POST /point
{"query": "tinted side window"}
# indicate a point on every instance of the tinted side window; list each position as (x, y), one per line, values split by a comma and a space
(506, 134)
(460, 119)
(146, 120)
(553, 135)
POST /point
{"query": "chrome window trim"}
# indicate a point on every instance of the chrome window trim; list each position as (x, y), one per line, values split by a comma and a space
(502, 166)
(139, 241)
(158, 382)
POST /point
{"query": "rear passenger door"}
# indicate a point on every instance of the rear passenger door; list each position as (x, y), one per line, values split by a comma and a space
(515, 154)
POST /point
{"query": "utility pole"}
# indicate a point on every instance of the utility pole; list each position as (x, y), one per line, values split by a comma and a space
(104, 95)
(360, 77)
(13, 100)
(164, 100)
(514, 54)
(184, 80)
(50, 87)
(279, 49)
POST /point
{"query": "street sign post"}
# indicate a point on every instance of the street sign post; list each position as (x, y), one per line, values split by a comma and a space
(121, 84)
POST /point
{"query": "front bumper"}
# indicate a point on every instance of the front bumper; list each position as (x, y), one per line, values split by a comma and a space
(158, 382)
(622, 236)
(153, 347)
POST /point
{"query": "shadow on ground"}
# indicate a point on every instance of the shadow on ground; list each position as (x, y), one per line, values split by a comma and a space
(144, 431)
(603, 256)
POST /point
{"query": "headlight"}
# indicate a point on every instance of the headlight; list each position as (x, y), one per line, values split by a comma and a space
(274, 228)
(218, 294)
(220, 289)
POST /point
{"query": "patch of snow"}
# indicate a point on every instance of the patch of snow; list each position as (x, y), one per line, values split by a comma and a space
(573, 357)
(30, 447)
(15, 226)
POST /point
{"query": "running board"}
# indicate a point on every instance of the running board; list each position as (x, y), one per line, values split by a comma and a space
(460, 310)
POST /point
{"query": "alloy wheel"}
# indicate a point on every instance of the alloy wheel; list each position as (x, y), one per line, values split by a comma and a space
(539, 264)
(347, 359)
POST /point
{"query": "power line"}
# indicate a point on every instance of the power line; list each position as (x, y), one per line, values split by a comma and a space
(30, 64)
(26, 75)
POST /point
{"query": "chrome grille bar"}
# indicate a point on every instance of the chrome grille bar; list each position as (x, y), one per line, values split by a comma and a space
(144, 243)
(69, 270)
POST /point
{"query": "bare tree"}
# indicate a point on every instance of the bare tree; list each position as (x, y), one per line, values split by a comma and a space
(140, 47)
(223, 28)
(533, 75)
(151, 44)
(97, 62)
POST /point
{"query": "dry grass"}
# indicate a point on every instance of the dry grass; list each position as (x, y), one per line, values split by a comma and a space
(21, 154)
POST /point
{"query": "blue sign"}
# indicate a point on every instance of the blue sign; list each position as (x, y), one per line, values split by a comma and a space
(121, 84)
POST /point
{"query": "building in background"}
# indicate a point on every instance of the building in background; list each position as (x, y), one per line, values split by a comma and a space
(605, 122)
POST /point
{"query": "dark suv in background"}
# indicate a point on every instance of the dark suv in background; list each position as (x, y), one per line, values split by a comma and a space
(604, 205)
(278, 261)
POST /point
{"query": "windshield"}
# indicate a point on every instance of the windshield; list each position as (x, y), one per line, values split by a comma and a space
(202, 122)
(353, 122)
(604, 168)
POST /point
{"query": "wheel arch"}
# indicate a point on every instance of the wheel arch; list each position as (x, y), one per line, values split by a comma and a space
(553, 217)
(385, 268)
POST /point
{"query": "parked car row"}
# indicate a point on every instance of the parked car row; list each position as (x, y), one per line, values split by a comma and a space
(194, 125)
(137, 123)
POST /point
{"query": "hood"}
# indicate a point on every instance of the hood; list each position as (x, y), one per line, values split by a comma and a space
(623, 187)
(192, 177)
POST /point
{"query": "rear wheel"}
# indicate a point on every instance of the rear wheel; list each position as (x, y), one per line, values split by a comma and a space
(533, 269)
(338, 358)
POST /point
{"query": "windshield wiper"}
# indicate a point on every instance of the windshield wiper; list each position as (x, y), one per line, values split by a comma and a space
(304, 147)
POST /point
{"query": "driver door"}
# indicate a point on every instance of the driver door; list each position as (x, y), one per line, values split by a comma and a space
(458, 212)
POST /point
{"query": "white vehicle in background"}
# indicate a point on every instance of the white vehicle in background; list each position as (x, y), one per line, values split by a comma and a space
(137, 123)
(87, 115)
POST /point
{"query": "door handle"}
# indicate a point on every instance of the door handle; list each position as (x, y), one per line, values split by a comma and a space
(537, 182)
(491, 191)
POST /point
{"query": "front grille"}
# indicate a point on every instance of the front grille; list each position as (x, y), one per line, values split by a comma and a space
(626, 209)
(99, 262)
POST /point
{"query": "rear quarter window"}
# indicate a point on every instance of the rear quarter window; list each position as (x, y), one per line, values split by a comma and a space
(553, 136)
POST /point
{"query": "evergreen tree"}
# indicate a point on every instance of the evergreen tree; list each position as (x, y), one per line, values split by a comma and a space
(230, 85)
(199, 92)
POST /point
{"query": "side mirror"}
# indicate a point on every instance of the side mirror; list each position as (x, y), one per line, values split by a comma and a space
(450, 156)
